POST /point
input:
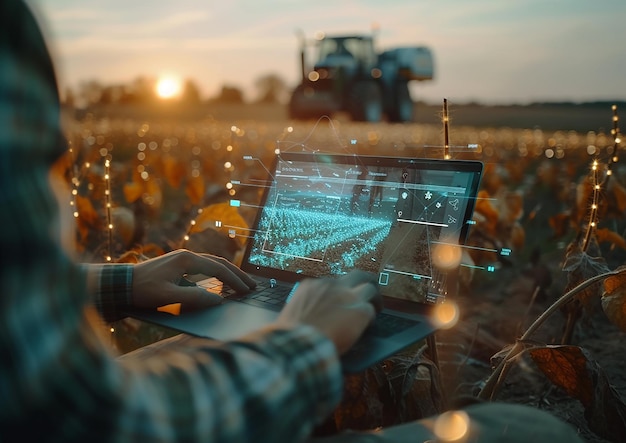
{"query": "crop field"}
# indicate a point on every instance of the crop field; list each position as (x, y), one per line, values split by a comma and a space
(554, 200)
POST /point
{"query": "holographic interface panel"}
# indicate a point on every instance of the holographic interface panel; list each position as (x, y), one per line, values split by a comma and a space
(328, 214)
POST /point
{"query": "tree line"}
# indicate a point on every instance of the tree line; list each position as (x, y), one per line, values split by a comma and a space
(270, 88)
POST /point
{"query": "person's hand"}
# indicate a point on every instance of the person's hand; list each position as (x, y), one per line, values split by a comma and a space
(341, 308)
(156, 281)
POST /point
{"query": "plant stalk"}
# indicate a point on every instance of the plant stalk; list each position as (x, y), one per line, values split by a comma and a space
(497, 376)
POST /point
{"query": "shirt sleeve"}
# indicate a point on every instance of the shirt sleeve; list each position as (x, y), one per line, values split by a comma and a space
(58, 380)
(113, 293)
(272, 386)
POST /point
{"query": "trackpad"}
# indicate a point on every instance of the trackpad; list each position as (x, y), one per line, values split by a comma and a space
(227, 321)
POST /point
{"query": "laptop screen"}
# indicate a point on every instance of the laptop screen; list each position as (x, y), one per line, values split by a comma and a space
(399, 218)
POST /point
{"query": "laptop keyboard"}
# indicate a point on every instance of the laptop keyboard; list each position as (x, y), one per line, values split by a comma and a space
(274, 296)
(266, 294)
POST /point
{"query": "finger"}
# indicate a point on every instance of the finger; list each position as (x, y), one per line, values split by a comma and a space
(365, 307)
(369, 291)
(358, 277)
(223, 270)
(371, 310)
(235, 269)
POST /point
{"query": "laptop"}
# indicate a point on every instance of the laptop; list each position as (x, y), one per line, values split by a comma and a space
(326, 214)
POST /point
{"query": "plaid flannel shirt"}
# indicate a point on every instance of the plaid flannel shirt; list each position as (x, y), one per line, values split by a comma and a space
(58, 381)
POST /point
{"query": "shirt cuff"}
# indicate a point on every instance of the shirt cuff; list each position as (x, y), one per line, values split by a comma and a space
(114, 293)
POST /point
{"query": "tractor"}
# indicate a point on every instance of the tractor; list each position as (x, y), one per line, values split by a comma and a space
(350, 76)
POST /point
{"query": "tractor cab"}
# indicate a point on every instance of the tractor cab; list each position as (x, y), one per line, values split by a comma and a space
(349, 75)
(350, 53)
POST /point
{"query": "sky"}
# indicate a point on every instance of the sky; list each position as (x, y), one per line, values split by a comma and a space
(486, 51)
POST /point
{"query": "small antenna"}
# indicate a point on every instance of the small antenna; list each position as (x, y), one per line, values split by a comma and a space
(446, 141)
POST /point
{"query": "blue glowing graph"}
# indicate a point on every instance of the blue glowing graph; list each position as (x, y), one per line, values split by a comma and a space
(301, 240)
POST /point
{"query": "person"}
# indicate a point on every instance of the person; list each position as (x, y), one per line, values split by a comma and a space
(60, 382)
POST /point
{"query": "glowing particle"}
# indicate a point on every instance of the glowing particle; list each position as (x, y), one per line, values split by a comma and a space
(446, 314)
(446, 256)
(451, 426)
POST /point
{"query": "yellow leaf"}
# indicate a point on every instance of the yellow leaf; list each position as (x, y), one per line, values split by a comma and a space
(619, 195)
(560, 223)
(132, 192)
(173, 170)
(616, 282)
(487, 210)
(87, 213)
(607, 236)
(88, 219)
(614, 307)
(195, 190)
(154, 194)
(224, 218)
(511, 205)
(135, 189)
(614, 298)
(518, 235)
(492, 179)
(567, 367)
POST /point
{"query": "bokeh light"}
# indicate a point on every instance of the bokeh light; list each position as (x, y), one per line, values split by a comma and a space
(451, 426)
(446, 314)
(447, 256)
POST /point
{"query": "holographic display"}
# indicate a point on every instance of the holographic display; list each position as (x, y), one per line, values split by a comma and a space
(329, 214)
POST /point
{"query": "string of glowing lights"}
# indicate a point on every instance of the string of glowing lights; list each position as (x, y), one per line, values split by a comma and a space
(593, 211)
(192, 223)
(229, 166)
(598, 183)
(74, 180)
(107, 200)
(76, 176)
(617, 139)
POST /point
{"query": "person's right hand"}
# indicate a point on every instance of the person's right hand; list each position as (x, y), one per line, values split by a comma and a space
(340, 308)
(156, 281)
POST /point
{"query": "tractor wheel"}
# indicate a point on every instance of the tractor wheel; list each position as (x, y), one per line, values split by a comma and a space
(366, 104)
(297, 106)
(402, 108)
(301, 105)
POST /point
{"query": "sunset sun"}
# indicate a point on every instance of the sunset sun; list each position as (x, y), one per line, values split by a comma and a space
(168, 87)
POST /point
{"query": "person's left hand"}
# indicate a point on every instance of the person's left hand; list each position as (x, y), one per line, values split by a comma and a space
(156, 281)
